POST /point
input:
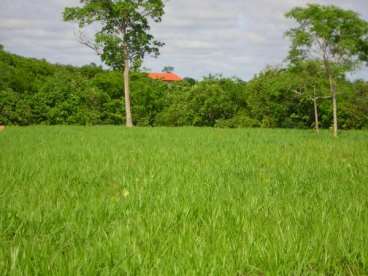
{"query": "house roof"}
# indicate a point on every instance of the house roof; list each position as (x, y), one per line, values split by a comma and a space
(165, 76)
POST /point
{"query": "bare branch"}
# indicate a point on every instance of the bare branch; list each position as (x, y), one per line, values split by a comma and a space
(325, 97)
(84, 40)
(298, 93)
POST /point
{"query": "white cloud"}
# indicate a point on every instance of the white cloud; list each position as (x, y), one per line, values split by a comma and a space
(237, 37)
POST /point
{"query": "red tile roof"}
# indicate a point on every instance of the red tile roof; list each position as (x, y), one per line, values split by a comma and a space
(165, 76)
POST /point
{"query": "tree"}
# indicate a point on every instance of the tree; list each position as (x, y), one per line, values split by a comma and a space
(168, 69)
(311, 85)
(123, 39)
(337, 37)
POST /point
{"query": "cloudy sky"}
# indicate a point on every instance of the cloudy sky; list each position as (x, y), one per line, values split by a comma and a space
(233, 37)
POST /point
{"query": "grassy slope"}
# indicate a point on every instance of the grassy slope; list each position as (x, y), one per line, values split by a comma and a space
(201, 201)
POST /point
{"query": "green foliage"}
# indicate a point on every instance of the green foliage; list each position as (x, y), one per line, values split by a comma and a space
(202, 104)
(329, 33)
(354, 106)
(36, 92)
(239, 120)
(149, 98)
(332, 36)
(271, 100)
(124, 31)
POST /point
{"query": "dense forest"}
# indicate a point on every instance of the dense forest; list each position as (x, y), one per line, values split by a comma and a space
(37, 92)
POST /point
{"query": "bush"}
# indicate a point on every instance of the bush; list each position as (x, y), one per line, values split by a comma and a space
(36, 92)
(240, 120)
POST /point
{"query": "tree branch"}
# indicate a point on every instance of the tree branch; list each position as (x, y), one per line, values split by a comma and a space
(84, 40)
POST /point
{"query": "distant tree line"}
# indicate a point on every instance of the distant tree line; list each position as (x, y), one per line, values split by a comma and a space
(37, 92)
(311, 90)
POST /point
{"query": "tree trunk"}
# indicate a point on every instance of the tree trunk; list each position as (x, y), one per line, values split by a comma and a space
(334, 105)
(128, 111)
(333, 95)
(316, 117)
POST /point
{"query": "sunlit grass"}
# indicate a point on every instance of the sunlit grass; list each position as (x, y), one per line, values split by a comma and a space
(110, 200)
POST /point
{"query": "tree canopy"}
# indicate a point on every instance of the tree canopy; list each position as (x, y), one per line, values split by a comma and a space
(328, 33)
(336, 37)
(122, 22)
(36, 92)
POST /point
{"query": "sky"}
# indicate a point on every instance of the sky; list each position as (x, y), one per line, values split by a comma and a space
(237, 38)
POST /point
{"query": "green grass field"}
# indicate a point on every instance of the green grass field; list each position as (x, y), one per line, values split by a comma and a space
(116, 201)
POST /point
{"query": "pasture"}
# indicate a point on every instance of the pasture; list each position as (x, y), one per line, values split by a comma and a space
(186, 201)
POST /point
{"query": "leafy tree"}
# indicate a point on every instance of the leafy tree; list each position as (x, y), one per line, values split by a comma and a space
(190, 80)
(36, 92)
(271, 101)
(168, 69)
(124, 37)
(354, 108)
(202, 104)
(8, 103)
(337, 37)
(311, 85)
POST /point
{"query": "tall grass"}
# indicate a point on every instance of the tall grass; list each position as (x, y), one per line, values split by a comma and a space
(115, 201)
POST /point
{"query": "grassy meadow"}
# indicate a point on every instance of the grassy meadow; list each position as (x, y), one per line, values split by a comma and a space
(186, 201)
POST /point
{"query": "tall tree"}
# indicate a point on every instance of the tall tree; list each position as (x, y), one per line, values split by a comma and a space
(337, 37)
(123, 39)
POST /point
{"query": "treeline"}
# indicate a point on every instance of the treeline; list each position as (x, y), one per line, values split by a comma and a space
(37, 92)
